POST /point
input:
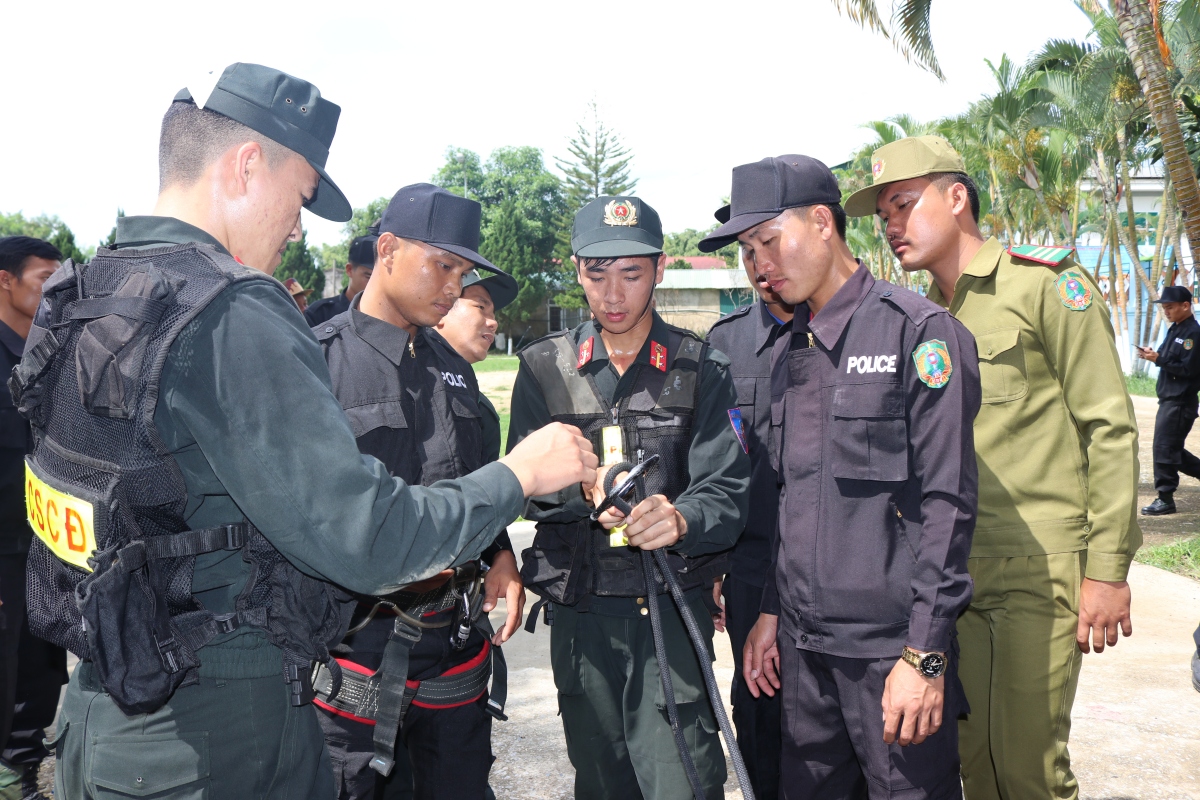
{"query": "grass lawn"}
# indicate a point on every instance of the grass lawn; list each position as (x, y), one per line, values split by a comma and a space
(1140, 384)
(496, 362)
(1182, 556)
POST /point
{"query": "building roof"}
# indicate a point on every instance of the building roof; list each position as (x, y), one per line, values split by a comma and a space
(704, 279)
(701, 262)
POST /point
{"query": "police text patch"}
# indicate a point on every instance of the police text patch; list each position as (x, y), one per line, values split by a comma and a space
(452, 379)
(863, 364)
(1073, 291)
(932, 360)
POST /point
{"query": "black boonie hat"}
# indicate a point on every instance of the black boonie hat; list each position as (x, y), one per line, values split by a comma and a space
(287, 110)
(427, 213)
(765, 189)
(616, 227)
(501, 286)
(362, 250)
(1175, 294)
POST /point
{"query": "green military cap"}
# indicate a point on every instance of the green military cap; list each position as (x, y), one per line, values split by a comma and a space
(500, 285)
(616, 227)
(285, 109)
(908, 158)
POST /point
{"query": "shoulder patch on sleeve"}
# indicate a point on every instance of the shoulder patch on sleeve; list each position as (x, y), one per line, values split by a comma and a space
(932, 360)
(1073, 290)
(1050, 256)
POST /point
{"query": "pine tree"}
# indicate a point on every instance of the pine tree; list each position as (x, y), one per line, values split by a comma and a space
(506, 243)
(599, 167)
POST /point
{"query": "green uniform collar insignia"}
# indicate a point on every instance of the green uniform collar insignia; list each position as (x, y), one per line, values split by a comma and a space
(1073, 291)
(1050, 256)
(932, 360)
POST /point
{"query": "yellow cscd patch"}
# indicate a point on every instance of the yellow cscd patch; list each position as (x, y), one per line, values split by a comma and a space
(64, 523)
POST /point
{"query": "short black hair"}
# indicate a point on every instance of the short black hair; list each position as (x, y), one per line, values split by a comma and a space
(191, 138)
(839, 216)
(588, 263)
(944, 180)
(15, 251)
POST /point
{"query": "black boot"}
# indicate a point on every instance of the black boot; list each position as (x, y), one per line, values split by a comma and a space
(1163, 504)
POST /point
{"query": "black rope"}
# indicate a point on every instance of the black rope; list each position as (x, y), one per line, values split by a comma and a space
(658, 557)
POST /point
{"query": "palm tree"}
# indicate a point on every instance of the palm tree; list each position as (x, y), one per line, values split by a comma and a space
(1143, 38)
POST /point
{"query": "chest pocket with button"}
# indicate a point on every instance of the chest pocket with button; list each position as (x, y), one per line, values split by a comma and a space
(869, 435)
(1002, 375)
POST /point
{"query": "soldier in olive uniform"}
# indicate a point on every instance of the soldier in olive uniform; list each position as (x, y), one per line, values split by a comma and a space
(641, 388)
(1057, 447)
(185, 532)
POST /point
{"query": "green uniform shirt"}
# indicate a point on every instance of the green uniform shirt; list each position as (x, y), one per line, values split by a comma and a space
(716, 500)
(246, 409)
(1055, 438)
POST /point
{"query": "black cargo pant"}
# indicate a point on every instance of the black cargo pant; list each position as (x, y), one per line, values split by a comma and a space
(833, 744)
(759, 728)
(32, 672)
(1172, 425)
(449, 750)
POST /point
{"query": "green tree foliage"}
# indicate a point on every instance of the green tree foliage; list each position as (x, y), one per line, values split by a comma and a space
(599, 163)
(678, 263)
(687, 241)
(522, 205)
(111, 240)
(50, 228)
(298, 263)
(331, 258)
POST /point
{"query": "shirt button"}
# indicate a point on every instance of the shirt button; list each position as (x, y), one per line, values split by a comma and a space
(989, 352)
(641, 600)
(645, 611)
(329, 329)
(1087, 528)
(803, 638)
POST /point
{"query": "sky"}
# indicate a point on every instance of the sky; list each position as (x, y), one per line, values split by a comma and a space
(692, 88)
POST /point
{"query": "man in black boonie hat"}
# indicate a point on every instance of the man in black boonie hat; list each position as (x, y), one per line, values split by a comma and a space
(876, 388)
(637, 387)
(359, 265)
(1178, 388)
(414, 404)
(209, 541)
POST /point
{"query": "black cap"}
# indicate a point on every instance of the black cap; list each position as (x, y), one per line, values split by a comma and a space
(765, 189)
(501, 286)
(616, 227)
(287, 110)
(362, 250)
(1175, 294)
(427, 213)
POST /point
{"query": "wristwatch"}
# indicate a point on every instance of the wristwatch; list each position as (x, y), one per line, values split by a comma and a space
(930, 665)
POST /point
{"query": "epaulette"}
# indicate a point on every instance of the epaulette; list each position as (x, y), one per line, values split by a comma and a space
(1050, 256)
(331, 327)
(732, 315)
(912, 305)
(546, 338)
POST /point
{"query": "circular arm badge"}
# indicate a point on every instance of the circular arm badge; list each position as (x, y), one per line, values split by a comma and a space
(1073, 291)
(932, 360)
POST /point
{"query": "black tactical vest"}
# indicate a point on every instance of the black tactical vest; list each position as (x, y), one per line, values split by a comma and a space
(569, 561)
(89, 384)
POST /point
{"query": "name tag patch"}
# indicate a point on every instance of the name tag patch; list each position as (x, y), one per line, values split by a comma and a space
(64, 523)
(865, 364)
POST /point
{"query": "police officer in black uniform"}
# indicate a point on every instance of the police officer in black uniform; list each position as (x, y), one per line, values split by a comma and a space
(32, 670)
(1177, 387)
(358, 272)
(747, 336)
(413, 403)
(185, 533)
(873, 397)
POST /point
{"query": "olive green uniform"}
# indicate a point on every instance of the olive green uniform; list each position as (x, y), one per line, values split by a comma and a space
(609, 687)
(1056, 443)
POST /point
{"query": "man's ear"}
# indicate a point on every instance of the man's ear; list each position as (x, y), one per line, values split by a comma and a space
(248, 162)
(7, 279)
(824, 219)
(958, 200)
(660, 269)
(389, 247)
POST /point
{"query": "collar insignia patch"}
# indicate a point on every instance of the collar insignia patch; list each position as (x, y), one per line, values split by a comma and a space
(932, 360)
(585, 352)
(739, 428)
(620, 213)
(658, 356)
(1073, 291)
